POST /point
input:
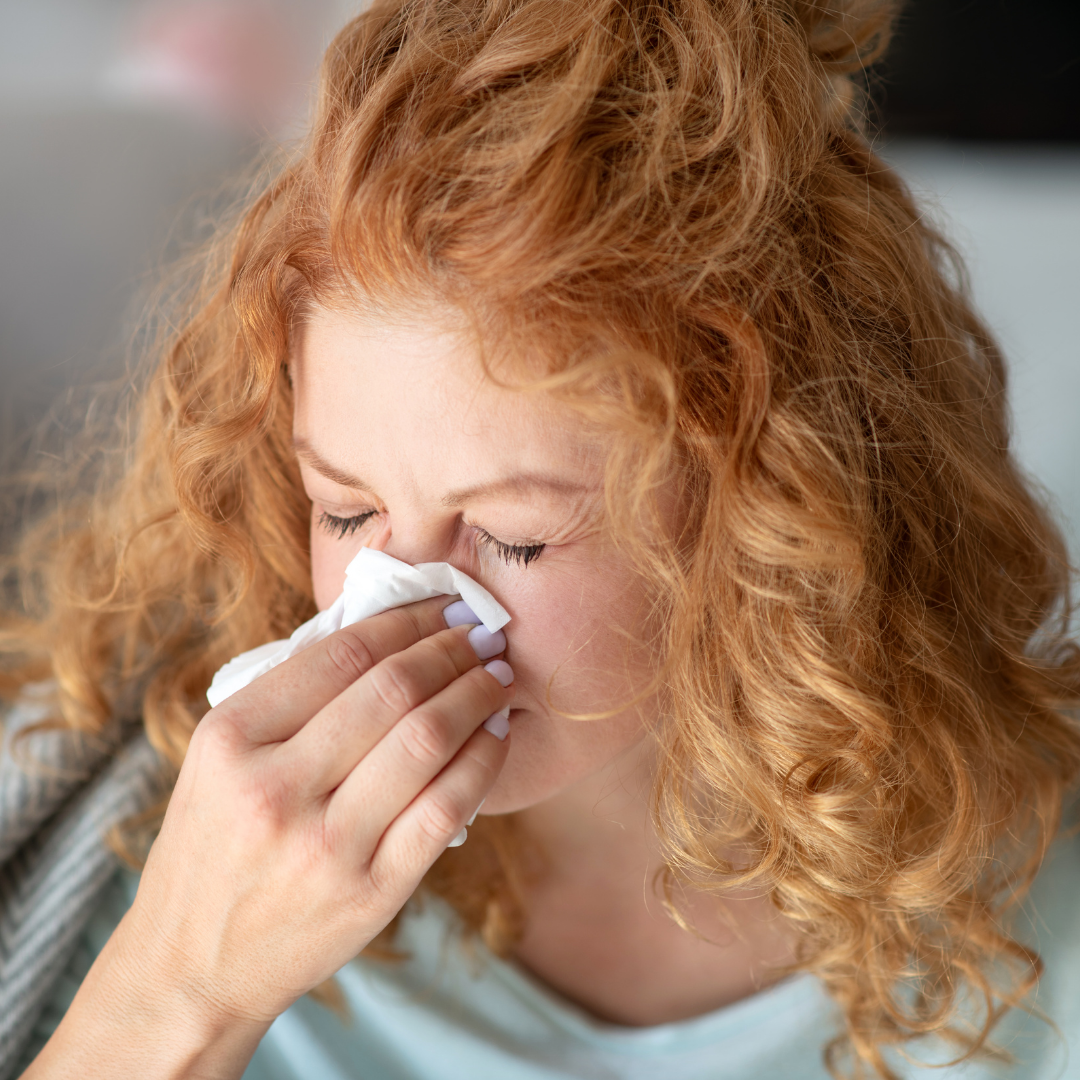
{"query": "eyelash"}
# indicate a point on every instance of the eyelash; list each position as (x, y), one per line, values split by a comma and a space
(340, 527)
(522, 554)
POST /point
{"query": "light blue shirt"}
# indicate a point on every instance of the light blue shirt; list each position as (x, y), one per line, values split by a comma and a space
(453, 1010)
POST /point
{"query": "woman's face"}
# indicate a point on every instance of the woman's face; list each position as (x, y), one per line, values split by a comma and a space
(406, 447)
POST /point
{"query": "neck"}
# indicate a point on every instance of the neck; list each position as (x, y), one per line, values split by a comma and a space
(599, 820)
(597, 929)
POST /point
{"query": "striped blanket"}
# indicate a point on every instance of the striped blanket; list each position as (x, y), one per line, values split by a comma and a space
(60, 794)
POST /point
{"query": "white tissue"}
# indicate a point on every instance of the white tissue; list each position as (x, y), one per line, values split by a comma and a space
(374, 582)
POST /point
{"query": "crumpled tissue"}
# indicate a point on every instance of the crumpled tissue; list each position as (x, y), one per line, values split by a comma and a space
(374, 582)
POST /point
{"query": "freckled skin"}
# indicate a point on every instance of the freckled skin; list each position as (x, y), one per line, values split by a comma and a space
(406, 407)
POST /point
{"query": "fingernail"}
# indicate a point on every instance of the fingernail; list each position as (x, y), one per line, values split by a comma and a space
(475, 812)
(459, 613)
(498, 725)
(485, 643)
(460, 838)
(501, 670)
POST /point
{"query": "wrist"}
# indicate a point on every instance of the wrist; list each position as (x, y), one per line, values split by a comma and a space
(134, 1016)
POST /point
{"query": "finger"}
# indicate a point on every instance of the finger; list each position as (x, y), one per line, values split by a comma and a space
(276, 705)
(323, 752)
(416, 750)
(421, 832)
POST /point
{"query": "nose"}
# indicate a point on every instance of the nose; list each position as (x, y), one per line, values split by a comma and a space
(417, 540)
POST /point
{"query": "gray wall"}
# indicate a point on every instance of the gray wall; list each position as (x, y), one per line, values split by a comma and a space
(87, 200)
(1015, 213)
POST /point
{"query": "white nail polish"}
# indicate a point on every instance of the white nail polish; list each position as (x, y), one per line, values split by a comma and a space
(498, 725)
(459, 613)
(460, 838)
(475, 812)
(501, 670)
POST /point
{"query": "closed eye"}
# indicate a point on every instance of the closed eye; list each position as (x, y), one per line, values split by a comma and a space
(340, 527)
(522, 554)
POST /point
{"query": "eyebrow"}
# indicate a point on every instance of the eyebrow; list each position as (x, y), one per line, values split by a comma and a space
(511, 484)
(306, 452)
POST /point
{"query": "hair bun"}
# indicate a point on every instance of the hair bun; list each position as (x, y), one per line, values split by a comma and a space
(846, 35)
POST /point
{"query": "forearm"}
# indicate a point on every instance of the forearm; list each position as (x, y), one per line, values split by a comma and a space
(130, 1022)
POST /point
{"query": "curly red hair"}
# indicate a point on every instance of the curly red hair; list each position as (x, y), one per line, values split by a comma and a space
(865, 654)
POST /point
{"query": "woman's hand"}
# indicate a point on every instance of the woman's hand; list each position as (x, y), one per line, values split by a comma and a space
(309, 806)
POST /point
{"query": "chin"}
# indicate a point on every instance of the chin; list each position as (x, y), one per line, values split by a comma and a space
(527, 777)
(502, 799)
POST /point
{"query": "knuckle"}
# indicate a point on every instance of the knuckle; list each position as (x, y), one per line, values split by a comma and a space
(412, 619)
(427, 738)
(219, 732)
(392, 686)
(349, 654)
(440, 817)
(487, 763)
(455, 652)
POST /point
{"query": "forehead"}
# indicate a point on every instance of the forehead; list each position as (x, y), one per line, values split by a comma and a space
(416, 390)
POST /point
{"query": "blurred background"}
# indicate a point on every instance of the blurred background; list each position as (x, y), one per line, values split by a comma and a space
(121, 118)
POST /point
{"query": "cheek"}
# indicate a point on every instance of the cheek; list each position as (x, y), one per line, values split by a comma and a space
(571, 654)
(574, 637)
(569, 660)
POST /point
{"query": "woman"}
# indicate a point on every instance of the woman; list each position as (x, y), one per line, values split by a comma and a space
(612, 308)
